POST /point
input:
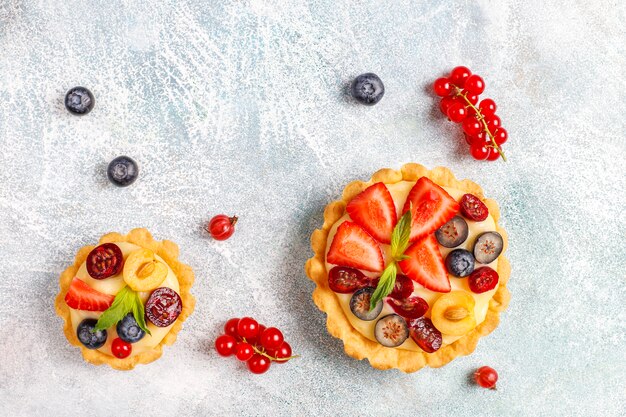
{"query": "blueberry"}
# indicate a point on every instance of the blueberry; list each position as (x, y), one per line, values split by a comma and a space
(128, 330)
(460, 263)
(488, 247)
(79, 101)
(368, 89)
(453, 233)
(360, 304)
(123, 171)
(91, 340)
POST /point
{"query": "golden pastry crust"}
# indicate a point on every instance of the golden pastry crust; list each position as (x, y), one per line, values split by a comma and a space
(167, 250)
(355, 344)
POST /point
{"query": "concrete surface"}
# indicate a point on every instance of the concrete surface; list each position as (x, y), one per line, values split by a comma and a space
(238, 107)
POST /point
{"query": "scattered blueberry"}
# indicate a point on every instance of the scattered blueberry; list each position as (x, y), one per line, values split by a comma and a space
(368, 89)
(91, 340)
(79, 101)
(488, 247)
(128, 330)
(123, 171)
(460, 263)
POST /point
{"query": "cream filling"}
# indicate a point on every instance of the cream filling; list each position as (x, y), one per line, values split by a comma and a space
(112, 285)
(399, 191)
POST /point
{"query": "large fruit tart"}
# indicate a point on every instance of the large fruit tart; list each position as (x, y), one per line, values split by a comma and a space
(125, 298)
(408, 268)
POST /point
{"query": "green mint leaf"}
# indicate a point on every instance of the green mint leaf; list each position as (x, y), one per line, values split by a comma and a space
(139, 314)
(385, 284)
(401, 234)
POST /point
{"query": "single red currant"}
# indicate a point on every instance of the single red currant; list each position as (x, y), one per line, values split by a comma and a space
(493, 122)
(500, 136)
(255, 340)
(259, 364)
(284, 351)
(248, 327)
(225, 345)
(486, 377)
(445, 103)
(494, 155)
(473, 98)
(221, 227)
(474, 84)
(457, 112)
(244, 351)
(479, 152)
(472, 126)
(458, 76)
(442, 87)
(230, 328)
(487, 107)
(272, 338)
(121, 349)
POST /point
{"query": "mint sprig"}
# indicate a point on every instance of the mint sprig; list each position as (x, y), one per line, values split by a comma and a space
(399, 244)
(126, 301)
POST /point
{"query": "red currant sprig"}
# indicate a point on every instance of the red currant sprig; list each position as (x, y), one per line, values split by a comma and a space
(254, 344)
(481, 126)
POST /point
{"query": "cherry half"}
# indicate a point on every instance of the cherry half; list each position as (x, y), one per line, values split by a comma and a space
(104, 261)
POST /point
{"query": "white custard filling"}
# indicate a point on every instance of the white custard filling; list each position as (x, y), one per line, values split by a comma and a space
(399, 191)
(112, 286)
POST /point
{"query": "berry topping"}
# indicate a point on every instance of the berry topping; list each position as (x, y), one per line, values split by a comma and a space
(79, 101)
(121, 349)
(453, 313)
(128, 330)
(248, 328)
(259, 364)
(81, 296)
(486, 377)
(460, 263)
(483, 279)
(473, 209)
(88, 337)
(403, 287)
(123, 171)
(271, 338)
(425, 265)
(409, 308)
(244, 351)
(353, 246)
(431, 206)
(163, 307)
(367, 89)
(453, 233)
(360, 304)
(391, 330)
(344, 280)
(488, 247)
(425, 335)
(104, 261)
(375, 211)
(221, 227)
(225, 345)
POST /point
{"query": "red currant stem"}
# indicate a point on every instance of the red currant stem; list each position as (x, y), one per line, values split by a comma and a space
(482, 120)
(233, 220)
(272, 358)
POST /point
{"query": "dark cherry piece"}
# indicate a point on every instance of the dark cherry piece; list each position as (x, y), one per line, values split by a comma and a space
(424, 333)
(409, 308)
(163, 307)
(104, 261)
(345, 280)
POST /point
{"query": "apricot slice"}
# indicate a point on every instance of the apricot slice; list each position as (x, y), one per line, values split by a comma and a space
(453, 313)
(142, 272)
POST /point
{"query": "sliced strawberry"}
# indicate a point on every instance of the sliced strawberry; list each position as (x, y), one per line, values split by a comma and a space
(432, 208)
(425, 265)
(82, 297)
(352, 246)
(374, 211)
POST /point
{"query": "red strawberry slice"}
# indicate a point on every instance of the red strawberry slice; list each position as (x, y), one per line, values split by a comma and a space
(82, 297)
(374, 211)
(352, 246)
(432, 208)
(425, 265)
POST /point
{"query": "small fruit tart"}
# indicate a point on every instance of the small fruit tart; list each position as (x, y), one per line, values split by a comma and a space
(409, 268)
(124, 299)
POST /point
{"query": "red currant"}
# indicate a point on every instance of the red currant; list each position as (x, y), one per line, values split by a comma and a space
(255, 340)
(458, 76)
(284, 351)
(248, 328)
(486, 377)
(493, 122)
(487, 107)
(230, 328)
(272, 338)
(474, 84)
(473, 98)
(244, 351)
(121, 349)
(479, 152)
(457, 112)
(225, 345)
(445, 103)
(221, 227)
(258, 364)
(500, 136)
(442, 87)
(493, 154)
(472, 126)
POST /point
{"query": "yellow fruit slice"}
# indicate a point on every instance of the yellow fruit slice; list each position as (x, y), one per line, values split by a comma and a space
(142, 272)
(453, 313)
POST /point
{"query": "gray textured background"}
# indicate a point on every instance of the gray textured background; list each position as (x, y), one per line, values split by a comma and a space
(237, 107)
